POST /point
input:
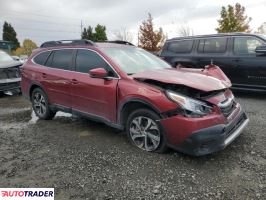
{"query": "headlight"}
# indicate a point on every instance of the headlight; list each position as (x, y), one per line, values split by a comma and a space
(192, 107)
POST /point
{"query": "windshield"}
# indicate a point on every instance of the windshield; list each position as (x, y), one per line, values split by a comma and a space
(133, 60)
(4, 57)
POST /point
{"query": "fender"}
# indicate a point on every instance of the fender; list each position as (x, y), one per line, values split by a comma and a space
(138, 100)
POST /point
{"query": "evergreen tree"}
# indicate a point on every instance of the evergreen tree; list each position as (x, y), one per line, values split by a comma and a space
(87, 34)
(99, 33)
(9, 34)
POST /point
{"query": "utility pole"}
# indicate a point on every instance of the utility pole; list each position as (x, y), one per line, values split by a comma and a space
(81, 28)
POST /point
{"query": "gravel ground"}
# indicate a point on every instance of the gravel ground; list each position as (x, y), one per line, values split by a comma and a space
(87, 160)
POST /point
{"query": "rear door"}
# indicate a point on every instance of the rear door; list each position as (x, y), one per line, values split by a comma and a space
(94, 96)
(250, 67)
(56, 77)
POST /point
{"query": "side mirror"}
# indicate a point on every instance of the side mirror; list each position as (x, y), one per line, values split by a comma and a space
(98, 73)
(261, 49)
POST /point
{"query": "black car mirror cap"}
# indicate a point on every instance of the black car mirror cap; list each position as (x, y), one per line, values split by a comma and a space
(261, 49)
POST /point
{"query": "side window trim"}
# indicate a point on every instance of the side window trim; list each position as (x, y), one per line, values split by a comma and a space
(73, 68)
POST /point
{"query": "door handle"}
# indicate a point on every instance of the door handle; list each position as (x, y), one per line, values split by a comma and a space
(236, 60)
(44, 75)
(74, 81)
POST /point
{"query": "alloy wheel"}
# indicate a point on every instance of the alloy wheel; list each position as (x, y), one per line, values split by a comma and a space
(39, 104)
(145, 133)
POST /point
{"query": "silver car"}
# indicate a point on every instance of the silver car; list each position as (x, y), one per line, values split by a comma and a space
(9, 73)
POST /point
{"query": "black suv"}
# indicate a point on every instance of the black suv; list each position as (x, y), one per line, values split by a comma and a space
(241, 56)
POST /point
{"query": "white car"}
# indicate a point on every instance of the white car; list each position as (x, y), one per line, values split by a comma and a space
(9, 73)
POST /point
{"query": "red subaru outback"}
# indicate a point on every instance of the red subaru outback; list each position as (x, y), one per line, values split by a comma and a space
(190, 110)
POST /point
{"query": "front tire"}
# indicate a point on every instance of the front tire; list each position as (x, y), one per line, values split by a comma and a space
(145, 131)
(40, 104)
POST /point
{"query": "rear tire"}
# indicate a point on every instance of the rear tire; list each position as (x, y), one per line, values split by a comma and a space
(40, 104)
(145, 131)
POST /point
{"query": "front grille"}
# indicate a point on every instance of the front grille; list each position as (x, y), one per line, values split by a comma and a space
(7, 73)
(227, 106)
(241, 119)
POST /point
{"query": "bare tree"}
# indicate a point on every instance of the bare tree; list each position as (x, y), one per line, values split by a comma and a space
(124, 34)
(185, 30)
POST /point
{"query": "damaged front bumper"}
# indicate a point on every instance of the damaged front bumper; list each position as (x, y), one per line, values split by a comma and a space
(9, 84)
(198, 140)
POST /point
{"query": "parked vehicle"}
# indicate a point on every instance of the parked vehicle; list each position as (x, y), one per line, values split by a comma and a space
(235, 53)
(190, 110)
(9, 73)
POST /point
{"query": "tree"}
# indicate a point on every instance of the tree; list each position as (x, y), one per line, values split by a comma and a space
(87, 33)
(9, 34)
(27, 48)
(233, 19)
(99, 33)
(149, 38)
(124, 34)
(185, 30)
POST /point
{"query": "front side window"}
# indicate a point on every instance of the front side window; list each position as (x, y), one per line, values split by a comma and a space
(212, 45)
(60, 59)
(246, 45)
(133, 60)
(184, 46)
(87, 60)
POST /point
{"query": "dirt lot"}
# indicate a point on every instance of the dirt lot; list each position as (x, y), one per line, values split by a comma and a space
(87, 160)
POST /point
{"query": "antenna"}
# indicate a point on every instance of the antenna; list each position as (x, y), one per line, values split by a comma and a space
(211, 62)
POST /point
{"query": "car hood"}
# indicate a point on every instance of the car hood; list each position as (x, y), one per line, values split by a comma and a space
(10, 64)
(202, 79)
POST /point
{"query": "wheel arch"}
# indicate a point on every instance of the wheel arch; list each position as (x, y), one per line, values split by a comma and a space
(132, 104)
(32, 87)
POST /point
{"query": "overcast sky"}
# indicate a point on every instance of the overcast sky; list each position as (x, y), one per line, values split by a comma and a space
(61, 19)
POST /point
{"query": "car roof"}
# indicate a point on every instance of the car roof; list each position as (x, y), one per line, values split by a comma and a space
(213, 35)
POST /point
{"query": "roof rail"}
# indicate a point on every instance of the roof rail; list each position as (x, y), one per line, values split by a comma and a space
(66, 43)
(120, 42)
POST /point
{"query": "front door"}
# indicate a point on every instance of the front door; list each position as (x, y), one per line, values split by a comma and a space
(93, 96)
(251, 67)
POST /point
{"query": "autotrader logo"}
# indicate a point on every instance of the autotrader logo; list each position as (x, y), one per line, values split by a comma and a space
(27, 193)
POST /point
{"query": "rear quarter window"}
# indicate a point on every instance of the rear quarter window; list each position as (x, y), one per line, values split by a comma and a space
(41, 58)
(183, 46)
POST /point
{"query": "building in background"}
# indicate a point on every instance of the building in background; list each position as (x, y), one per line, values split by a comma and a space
(6, 46)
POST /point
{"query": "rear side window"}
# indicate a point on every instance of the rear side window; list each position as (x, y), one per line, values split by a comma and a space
(184, 46)
(87, 60)
(60, 59)
(212, 45)
(41, 58)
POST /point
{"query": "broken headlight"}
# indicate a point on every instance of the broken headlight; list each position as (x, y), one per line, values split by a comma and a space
(192, 107)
